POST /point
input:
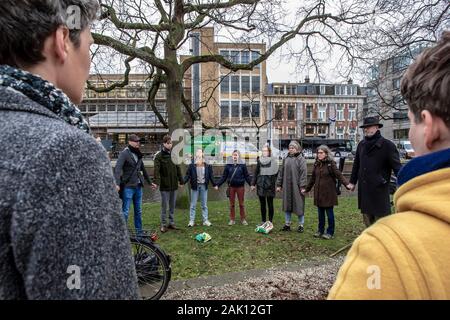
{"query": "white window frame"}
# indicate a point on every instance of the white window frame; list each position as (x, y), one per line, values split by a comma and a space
(339, 113)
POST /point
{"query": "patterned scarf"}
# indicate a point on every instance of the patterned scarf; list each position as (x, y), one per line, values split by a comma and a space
(44, 93)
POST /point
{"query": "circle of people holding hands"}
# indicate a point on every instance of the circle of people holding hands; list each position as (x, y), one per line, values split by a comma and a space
(268, 179)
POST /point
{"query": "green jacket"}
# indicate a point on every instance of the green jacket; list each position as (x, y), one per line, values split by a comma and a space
(167, 174)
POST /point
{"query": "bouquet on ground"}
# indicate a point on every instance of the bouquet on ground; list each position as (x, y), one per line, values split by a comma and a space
(265, 228)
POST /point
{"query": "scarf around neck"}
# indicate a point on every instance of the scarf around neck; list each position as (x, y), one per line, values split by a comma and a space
(371, 141)
(43, 93)
(136, 151)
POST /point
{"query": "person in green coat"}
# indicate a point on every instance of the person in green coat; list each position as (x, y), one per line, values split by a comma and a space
(167, 177)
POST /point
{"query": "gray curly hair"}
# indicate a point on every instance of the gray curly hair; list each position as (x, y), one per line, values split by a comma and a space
(25, 24)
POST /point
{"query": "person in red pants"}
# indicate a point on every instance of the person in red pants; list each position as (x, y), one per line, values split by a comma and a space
(236, 174)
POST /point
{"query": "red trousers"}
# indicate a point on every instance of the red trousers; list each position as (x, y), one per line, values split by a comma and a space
(240, 191)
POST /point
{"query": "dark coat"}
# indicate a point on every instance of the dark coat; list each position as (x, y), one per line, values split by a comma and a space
(264, 182)
(125, 170)
(191, 175)
(167, 174)
(239, 178)
(372, 170)
(323, 178)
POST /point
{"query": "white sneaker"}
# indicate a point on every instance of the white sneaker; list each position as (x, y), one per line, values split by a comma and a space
(232, 222)
(207, 223)
(191, 224)
(244, 222)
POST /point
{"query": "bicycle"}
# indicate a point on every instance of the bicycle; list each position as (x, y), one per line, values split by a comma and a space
(152, 265)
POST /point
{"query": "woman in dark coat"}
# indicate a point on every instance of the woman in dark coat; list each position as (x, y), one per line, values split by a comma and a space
(264, 180)
(323, 179)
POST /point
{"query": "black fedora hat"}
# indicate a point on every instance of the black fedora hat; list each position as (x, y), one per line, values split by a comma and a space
(371, 121)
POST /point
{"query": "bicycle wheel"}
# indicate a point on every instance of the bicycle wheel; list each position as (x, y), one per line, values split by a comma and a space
(152, 269)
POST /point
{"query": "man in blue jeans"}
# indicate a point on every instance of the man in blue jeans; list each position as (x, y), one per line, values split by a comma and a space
(129, 174)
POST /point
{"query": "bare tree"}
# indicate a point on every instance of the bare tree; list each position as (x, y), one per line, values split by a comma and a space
(354, 33)
(154, 32)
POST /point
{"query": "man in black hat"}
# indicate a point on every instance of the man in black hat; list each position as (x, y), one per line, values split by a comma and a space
(129, 174)
(376, 158)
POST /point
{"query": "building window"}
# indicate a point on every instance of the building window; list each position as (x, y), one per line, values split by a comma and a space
(401, 134)
(278, 112)
(111, 108)
(245, 109)
(225, 84)
(235, 84)
(400, 116)
(291, 90)
(121, 93)
(235, 55)
(82, 108)
(291, 112)
(322, 130)
(161, 107)
(337, 90)
(339, 113)
(279, 131)
(278, 89)
(351, 114)
(225, 110)
(235, 106)
(140, 107)
(309, 130)
(374, 72)
(131, 107)
(255, 55)
(225, 54)
(340, 133)
(291, 132)
(256, 86)
(245, 84)
(352, 134)
(245, 57)
(255, 110)
(309, 113)
(322, 90)
(102, 108)
(121, 108)
(322, 113)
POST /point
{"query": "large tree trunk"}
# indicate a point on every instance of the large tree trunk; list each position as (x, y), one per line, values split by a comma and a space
(176, 119)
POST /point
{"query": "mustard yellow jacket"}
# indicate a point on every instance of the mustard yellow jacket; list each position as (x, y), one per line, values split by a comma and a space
(405, 255)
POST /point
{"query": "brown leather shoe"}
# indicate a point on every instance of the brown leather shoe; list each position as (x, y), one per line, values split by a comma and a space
(163, 229)
(173, 227)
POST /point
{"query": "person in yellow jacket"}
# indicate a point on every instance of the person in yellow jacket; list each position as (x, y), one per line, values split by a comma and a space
(406, 255)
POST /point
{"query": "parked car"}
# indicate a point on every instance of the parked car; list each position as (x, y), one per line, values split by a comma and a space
(405, 149)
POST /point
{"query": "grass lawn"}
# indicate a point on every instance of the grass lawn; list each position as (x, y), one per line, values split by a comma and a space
(238, 247)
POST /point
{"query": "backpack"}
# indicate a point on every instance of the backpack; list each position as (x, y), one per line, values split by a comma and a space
(336, 181)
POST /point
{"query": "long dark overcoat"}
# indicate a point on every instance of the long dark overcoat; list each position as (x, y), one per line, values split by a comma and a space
(372, 169)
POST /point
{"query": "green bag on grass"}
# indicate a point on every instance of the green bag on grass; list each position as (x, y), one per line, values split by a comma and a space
(203, 237)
